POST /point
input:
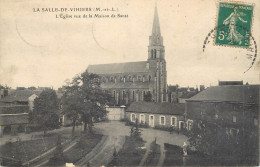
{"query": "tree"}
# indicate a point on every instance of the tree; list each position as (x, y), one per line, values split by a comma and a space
(85, 98)
(58, 157)
(148, 97)
(136, 131)
(45, 112)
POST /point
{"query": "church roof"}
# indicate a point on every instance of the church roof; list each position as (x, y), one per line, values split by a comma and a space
(129, 67)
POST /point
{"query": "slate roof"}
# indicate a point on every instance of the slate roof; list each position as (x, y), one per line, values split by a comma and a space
(126, 85)
(156, 108)
(14, 119)
(229, 93)
(129, 67)
(20, 95)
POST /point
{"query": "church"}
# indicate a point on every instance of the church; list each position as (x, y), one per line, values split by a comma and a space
(132, 81)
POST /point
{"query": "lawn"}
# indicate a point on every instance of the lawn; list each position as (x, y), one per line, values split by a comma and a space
(23, 151)
(131, 154)
(85, 144)
(26, 150)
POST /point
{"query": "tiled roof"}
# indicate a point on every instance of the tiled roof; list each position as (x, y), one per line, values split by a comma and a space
(13, 119)
(126, 85)
(20, 95)
(130, 67)
(230, 93)
(156, 108)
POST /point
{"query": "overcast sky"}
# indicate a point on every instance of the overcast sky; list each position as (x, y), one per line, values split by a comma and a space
(38, 49)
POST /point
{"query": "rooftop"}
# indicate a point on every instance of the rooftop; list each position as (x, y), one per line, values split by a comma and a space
(20, 95)
(156, 108)
(230, 93)
(14, 119)
(129, 67)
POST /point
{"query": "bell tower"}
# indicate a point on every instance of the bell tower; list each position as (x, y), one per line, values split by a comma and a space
(156, 59)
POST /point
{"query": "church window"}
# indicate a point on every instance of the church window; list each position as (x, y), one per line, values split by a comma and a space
(103, 79)
(133, 95)
(114, 93)
(139, 78)
(129, 78)
(151, 53)
(111, 79)
(149, 78)
(121, 79)
(123, 95)
(154, 53)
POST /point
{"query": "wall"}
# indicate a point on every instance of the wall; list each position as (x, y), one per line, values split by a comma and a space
(156, 119)
(115, 113)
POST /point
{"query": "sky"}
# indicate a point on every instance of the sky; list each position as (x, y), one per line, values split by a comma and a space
(42, 49)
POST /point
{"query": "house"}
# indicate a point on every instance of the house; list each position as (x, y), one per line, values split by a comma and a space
(14, 110)
(163, 115)
(236, 105)
(10, 123)
(131, 81)
(232, 112)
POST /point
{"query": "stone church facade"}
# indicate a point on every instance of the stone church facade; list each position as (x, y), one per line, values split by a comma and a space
(131, 81)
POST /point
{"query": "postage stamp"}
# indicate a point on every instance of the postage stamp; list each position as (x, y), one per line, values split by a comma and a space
(234, 24)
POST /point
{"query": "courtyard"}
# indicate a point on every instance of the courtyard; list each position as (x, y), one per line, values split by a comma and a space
(109, 137)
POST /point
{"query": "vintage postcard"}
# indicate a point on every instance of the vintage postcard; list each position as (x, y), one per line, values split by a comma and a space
(129, 83)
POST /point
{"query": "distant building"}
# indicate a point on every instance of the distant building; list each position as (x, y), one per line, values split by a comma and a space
(3, 92)
(202, 87)
(14, 110)
(42, 88)
(221, 83)
(131, 81)
(178, 94)
(161, 115)
(185, 96)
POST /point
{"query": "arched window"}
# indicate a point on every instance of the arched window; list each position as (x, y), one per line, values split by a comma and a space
(149, 78)
(111, 79)
(130, 78)
(154, 53)
(139, 77)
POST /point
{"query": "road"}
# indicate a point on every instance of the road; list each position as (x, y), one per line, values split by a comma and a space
(115, 133)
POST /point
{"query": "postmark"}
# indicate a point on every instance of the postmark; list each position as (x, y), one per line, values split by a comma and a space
(248, 54)
(233, 24)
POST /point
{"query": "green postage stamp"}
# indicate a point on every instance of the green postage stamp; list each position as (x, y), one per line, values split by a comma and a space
(234, 24)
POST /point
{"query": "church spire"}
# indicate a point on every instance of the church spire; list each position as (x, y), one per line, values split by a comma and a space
(156, 38)
(156, 25)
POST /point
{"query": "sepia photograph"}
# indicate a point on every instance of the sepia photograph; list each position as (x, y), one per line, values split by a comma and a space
(129, 83)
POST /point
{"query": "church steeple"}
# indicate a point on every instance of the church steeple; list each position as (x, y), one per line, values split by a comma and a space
(156, 25)
(156, 48)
